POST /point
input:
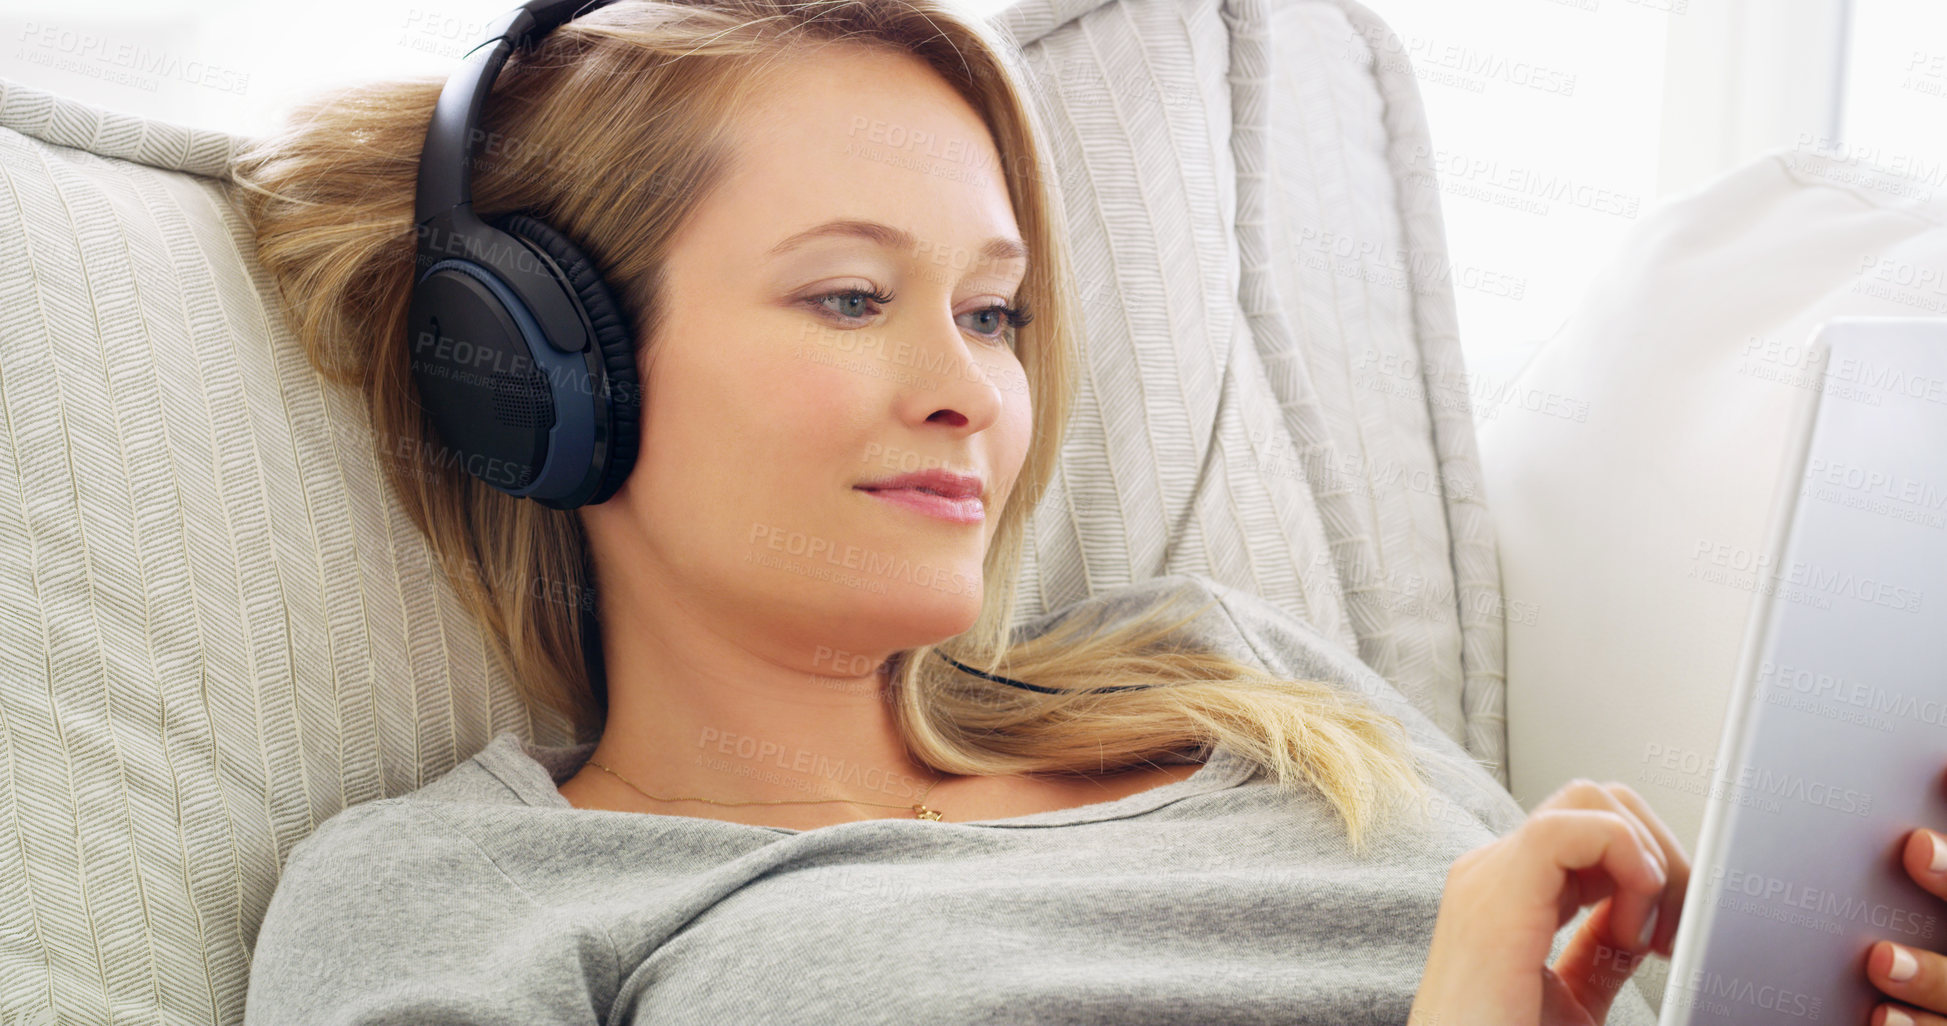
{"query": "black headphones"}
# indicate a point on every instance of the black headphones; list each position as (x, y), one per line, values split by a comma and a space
(524, 360)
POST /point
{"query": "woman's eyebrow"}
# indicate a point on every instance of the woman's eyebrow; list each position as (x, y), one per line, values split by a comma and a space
(997, 248)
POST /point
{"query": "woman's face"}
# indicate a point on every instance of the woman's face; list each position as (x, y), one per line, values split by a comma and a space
(780, 384)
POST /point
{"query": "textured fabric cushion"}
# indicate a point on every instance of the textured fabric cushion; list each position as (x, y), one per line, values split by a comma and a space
(1618, 530)
(218, 630)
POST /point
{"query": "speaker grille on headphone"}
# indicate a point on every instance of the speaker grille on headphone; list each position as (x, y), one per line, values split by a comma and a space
(522, 400)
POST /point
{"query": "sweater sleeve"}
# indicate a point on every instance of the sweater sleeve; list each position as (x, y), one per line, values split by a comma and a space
(387, 914)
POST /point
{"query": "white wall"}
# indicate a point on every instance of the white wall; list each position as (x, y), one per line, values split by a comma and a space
(1895, 104)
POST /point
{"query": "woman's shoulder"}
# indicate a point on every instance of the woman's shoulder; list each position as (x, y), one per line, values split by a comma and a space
(384, 910)
(506, 771)
(353, 846)
(396, 861)
(423, 816)
(349, 826)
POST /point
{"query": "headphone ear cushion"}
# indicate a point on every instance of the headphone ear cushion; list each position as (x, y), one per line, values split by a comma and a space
(612, 334)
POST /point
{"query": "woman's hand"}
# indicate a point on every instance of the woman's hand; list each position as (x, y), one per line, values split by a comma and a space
(1505, 901)
(1925, 988)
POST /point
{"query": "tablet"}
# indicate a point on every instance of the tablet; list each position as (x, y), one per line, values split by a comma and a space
(1835, 738)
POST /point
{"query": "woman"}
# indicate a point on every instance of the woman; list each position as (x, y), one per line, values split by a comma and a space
(814, 789)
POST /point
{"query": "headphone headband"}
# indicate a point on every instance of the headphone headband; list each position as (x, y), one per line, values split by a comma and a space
(446, 165)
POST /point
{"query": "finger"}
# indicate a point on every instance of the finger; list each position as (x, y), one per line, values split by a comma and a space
(1593, 969)
(1925, 988)
(1582, 793)
(1633, 812)
(1667, 844)
(1926, 850)
(1902, 1015)
(1575, 839)
(1582, 887)
(1676, 865)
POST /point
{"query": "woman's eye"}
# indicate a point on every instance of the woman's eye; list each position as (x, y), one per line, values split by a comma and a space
(1001, 317)
(847, 309)
(1009, 320)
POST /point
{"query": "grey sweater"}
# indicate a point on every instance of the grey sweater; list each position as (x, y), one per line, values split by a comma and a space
(485, 897)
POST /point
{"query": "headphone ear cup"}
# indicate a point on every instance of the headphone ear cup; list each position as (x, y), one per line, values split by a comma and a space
(613, 335)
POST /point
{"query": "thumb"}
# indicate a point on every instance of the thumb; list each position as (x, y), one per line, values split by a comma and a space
(1592, 968)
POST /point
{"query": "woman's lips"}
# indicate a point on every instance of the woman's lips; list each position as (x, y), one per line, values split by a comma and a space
(959, 511)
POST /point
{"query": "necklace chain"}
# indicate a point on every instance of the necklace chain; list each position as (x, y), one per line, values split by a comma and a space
(918, 805)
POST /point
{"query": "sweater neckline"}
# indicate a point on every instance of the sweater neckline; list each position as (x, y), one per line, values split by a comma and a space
(534, 773)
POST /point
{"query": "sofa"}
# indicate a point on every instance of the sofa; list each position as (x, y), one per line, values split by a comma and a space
(218, 629)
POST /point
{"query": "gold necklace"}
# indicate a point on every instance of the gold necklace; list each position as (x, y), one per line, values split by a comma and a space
(920, 811)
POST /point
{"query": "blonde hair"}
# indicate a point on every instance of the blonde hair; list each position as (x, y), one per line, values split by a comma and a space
(641, 91)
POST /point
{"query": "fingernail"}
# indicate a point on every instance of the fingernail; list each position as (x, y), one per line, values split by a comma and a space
(1939, 864)
(1895, 1017)
(1649, 929)
(1903, 966)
